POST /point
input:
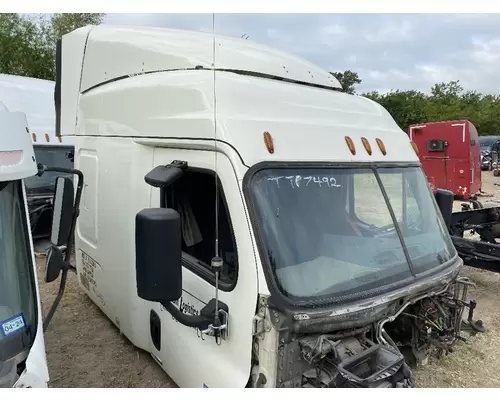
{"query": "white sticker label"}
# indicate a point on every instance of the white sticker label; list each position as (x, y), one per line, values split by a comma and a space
(13, 325)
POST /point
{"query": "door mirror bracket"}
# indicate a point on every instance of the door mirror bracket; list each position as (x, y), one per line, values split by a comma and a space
(205, 321)
(158, 263)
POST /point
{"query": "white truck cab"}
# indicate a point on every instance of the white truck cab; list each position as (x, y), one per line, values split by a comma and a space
(35, 97)
(22, 350)
(246, 222)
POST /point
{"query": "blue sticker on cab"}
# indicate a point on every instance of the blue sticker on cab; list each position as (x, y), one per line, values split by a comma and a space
(12, 325)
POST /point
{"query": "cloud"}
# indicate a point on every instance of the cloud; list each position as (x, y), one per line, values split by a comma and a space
(389, 51)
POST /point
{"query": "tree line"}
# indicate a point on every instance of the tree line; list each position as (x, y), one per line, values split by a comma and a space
(28, 43)
(447, 101)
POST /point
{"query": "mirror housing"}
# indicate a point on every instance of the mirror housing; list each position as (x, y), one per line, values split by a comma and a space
(54, 263)
(62, 214)
(444, 199)
(164, 175)
(158, 255)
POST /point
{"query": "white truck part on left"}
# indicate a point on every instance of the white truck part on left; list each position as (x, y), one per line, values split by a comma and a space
(23, 362)
(35, 98)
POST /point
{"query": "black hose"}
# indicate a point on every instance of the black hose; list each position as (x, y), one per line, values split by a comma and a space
(57, 300)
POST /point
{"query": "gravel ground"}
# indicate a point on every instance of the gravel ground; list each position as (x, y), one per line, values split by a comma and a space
(84, 349)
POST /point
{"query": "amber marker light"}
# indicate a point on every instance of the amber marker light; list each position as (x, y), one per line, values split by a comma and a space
(350, 145)
(381, 146)
(366, 145)
(268, 140)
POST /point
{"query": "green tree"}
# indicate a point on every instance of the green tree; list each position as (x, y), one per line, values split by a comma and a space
(28, 42)
(406, 107)
(64, 23)
(348, 79)
(446, 101)
(21, 46)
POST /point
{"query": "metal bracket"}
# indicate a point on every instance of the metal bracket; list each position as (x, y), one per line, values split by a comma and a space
(258, 324)
(178, 164)
(221, 331)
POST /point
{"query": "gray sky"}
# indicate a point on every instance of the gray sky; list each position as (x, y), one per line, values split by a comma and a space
(389, 51)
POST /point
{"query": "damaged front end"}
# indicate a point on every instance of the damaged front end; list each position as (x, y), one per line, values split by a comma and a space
(362, 274)
(331, 350)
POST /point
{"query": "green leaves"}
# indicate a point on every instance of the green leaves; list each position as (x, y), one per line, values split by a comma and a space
(446, 101)
(28, 43)
(348, 80)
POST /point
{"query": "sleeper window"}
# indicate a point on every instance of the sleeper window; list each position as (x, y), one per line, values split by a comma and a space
(193, 196)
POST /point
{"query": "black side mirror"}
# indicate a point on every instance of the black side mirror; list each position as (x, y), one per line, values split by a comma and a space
(65, 211)
(54, 263)
(444, 199)
(158, 255)
(62, 214)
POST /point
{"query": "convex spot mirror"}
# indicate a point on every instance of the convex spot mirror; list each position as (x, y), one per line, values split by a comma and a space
(54, 263)
(62, 214)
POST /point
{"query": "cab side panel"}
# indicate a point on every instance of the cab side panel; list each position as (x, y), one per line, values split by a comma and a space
(114, 191)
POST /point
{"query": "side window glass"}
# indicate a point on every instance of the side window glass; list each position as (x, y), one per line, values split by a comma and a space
(193, 196)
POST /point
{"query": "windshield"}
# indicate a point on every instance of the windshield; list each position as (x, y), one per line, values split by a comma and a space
(17, 286)
(486, 142)
(53, 157)
(329, 234)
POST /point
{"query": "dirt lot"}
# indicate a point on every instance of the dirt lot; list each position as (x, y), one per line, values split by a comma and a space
(85, 350)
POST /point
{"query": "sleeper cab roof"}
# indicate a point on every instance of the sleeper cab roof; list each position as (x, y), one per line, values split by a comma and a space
(157, 83)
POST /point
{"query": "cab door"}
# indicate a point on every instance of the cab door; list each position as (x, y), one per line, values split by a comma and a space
(191, 358)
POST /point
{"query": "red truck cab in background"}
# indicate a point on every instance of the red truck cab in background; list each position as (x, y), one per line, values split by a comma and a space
(450, 155)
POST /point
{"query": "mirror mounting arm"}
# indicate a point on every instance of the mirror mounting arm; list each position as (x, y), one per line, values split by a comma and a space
(202, 321)
(192, 321)
(43, 168)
